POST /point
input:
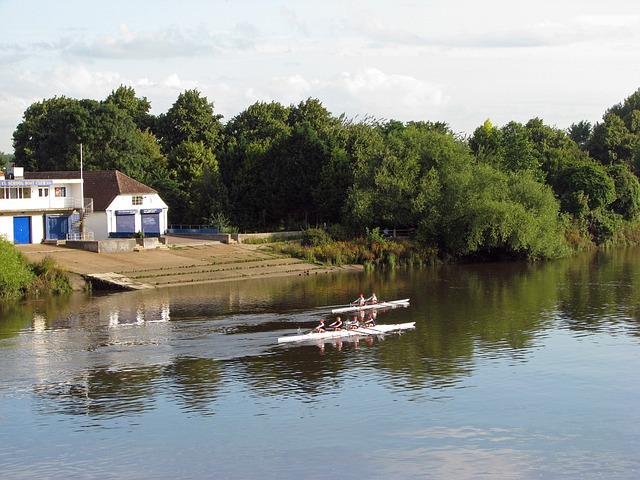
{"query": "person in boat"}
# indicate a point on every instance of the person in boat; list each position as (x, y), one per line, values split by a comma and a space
(370, 321)
(372, 299)
(337, 325)
(353, 324)
(360, 301)
(320, 328)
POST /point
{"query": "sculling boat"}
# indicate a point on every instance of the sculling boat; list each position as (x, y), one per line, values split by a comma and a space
(355, 308)
(377, 330)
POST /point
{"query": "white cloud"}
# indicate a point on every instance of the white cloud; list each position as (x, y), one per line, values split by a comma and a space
(400, 96)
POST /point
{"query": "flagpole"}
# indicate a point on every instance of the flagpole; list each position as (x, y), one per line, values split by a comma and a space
(81, 196)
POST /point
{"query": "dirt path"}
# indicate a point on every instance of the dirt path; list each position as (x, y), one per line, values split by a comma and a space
(185, 261)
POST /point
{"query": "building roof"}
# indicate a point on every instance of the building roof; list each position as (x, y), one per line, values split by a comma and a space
(101, 185)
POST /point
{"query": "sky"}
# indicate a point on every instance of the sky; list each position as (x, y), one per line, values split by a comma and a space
(455, 61)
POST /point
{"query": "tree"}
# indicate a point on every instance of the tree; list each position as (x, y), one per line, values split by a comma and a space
(627, 187)
(138, 108)
(195, 167)
(190, 119)
(520, 153)
(585, 182)
(6, 160)
(486, 144)
(245, 161)
(49, 138)
(478, 210)
(580, 132)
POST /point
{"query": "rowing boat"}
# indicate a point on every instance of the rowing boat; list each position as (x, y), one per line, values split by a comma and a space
(392, 304)
(356, 332)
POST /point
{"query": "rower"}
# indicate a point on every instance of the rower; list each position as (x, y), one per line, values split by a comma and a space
(360, 300)
(372, 299)
(353, 324)
(370, 321)
(337, 325)
(320, 328)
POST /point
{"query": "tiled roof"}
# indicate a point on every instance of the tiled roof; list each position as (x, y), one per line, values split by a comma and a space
(101, 185)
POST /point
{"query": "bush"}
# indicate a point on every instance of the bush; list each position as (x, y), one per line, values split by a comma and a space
(49, 278)
(19, 277)
(315, 237)
(15, 275)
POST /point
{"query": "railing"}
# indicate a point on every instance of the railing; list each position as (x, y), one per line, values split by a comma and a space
(87, 235)
(192, 229)
(87, 208)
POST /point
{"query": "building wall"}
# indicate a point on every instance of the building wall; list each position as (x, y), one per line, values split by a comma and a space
(6, 227)
(97, 223)
(36, 226)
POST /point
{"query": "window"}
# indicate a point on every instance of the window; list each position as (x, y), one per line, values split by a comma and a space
(15, 193)
(61, 191)
(137, 200)
(43, 192)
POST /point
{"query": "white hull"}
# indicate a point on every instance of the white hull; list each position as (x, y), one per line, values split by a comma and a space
(377, 330)
(356, 308)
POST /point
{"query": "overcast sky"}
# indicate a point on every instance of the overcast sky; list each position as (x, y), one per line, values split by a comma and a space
(457, 61)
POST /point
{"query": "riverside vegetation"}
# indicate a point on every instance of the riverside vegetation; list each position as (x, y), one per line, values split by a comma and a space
(20, 277)
(518, 191)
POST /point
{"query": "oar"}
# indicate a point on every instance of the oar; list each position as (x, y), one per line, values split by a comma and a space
(336, 306)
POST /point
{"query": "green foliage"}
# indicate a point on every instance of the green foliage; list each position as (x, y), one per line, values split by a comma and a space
(190, 119)
(49, 138)
(387, 254)
(19, 277)
(492, 213)
(315, 237)
(627, 202)
(5, 161)
(580, 132)
(49, 278)
(15, 275)
(137, 108)
(587, 182)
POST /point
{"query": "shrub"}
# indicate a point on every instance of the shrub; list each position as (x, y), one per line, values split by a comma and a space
(315, 237)
(49, 278)
(15, 275)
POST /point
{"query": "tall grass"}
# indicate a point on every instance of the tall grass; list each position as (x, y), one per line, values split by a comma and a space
(19, 277)
(15, 275)
(372, 251)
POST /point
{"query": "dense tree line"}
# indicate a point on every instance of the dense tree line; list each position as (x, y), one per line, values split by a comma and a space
(525, 191)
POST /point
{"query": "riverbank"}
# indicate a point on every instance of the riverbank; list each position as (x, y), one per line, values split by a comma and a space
(182, 261)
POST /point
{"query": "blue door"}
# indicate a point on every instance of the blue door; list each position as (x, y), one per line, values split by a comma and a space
(21, 230)
(57, 227)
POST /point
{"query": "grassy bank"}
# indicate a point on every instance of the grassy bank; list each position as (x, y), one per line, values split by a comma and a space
(19, 277)
(372, 251)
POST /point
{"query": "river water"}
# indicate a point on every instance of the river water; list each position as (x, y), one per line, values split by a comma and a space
(513, 371)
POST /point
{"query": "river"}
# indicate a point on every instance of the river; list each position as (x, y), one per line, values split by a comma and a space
(514, 370)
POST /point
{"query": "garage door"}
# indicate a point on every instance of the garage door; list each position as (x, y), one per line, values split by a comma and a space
(125, 222)
(151, 224)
